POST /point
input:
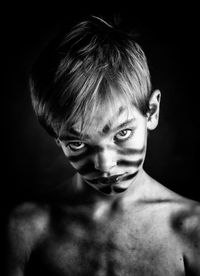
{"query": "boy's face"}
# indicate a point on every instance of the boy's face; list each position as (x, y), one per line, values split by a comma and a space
(112, 153)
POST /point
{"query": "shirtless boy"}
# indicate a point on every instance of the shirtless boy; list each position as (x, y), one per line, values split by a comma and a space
(91, 91)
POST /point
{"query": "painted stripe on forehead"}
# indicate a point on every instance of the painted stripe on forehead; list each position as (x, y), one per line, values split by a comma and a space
(107, 128)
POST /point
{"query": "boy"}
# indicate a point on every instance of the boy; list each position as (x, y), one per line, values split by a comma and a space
(91, 91)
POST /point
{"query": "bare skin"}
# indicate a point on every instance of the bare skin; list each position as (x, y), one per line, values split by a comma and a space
(111, 218)
(148, 231)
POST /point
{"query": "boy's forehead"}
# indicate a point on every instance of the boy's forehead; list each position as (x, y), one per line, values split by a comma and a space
(108, 116)
(106, 120)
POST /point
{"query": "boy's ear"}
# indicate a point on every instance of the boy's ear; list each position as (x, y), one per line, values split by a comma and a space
(153, 113)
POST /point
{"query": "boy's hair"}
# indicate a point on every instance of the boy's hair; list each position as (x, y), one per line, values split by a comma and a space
(75, 75)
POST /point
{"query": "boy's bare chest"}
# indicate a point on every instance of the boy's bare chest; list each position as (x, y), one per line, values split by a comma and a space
(107, 248)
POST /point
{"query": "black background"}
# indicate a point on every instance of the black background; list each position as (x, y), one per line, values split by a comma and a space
(32, 163)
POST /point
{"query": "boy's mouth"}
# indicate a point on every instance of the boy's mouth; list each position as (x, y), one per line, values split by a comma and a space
(109, 184)
(110, 180)
(114, 179)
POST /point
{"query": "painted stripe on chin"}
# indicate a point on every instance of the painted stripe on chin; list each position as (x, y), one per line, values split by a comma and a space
(125, 178)
(119, 189)
(108, 189)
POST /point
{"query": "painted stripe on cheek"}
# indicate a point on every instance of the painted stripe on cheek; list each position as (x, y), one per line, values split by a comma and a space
(128, 163)
(76, 158)
(86, 168)
(88, 152)
(130, 151)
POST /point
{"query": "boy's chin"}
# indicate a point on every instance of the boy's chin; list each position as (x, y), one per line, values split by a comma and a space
(111, 190)
(119, 186)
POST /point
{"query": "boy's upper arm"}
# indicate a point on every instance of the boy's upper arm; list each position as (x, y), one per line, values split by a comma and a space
(19, 247)
(24, 230)
(191, 237)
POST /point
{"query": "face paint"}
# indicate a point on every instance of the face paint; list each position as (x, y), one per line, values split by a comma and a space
(109, 159)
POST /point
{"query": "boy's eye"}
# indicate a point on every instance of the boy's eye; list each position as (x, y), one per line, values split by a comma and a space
(76, 145)
(123, 134)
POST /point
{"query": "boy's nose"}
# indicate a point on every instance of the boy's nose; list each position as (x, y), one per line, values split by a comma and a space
(104, 161)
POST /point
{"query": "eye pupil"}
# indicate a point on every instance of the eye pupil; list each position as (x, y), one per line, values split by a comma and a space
(77, 144)
(123, 132)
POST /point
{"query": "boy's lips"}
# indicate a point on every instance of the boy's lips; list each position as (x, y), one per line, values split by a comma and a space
(109, 184)
(112, 179)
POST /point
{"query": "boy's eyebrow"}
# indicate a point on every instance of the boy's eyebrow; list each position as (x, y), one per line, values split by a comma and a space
(73, 134)
(122, 125)
(108, 127)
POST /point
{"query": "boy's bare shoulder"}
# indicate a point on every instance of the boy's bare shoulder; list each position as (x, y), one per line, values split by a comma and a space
(184, 213)
(185, 217)
(185, 221)
(28, 223)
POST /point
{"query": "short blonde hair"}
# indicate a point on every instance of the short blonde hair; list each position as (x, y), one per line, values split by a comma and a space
(74, 76)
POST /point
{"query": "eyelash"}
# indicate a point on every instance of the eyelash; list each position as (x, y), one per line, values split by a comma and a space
(131, 132)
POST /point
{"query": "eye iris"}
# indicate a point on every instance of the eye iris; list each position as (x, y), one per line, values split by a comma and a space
(76, 145)
(123, 132)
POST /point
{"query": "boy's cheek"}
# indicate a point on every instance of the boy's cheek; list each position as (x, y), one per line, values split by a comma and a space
(65, 150)
(65, 153)
(74, 165)
(138, 141)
